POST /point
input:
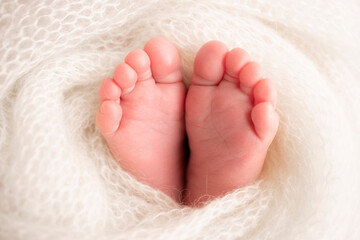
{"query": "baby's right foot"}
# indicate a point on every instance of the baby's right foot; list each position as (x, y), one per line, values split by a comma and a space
(230, 121)
(142, 116)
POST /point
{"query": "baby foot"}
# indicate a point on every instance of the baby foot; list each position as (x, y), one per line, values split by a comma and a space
(230, 121)
(142, 116)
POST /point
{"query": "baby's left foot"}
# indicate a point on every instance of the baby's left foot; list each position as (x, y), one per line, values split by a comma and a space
(230, 121)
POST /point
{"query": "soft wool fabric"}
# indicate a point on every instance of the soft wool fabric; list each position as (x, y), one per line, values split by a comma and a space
(58, 179)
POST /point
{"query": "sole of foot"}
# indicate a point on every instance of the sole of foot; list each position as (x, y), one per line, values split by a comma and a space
(230, 121)
(141, 116)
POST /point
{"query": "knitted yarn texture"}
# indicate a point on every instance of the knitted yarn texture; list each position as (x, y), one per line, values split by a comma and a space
(58, 179)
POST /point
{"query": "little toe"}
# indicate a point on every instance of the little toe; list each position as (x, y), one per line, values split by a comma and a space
(209, 64)
(236, 59)
(140, 62)
(109, 90)
(165, 60)
(265, 121)
(125, 76)
(250, 74)
(264, 91)
(108, 118)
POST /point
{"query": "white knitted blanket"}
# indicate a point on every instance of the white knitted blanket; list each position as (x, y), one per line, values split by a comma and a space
(58, 179)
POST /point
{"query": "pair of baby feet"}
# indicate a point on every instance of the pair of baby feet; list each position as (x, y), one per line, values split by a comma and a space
(228, 113)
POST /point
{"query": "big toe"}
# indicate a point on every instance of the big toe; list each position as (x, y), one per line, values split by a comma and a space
(209, 65)
(165, 60)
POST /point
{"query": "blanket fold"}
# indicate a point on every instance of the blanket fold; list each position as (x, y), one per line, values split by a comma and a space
(58, 179)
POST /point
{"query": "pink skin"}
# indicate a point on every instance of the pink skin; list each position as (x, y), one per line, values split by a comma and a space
(142, 116)
(230, 119)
